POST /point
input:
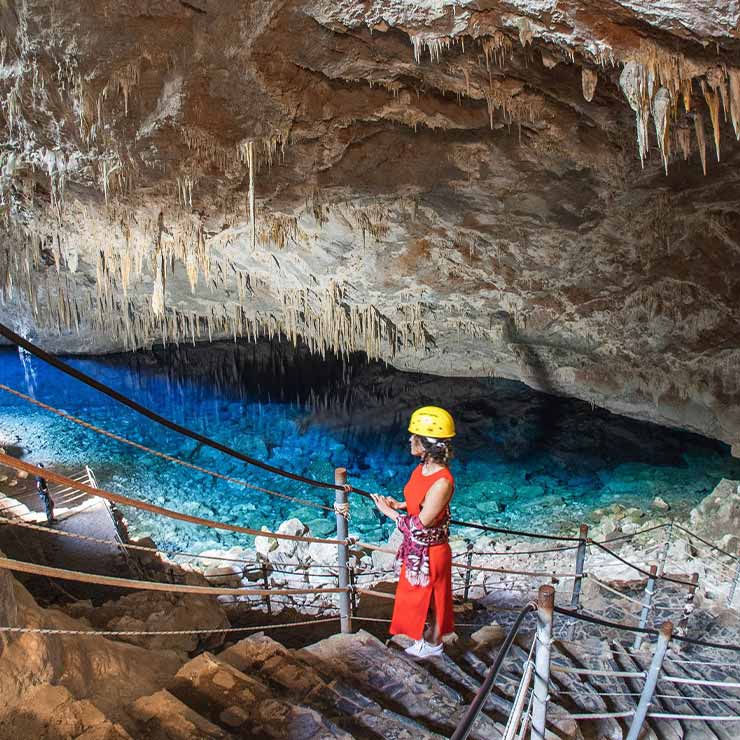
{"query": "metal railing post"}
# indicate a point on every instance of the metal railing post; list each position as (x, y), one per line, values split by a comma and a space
(663, 557)
(340, 509)
(651, 680)
(688, 607)
(575, 599)
(647, 605)
(266, 584)
(735, 581)
(352, 593)
(540, 694)
(469, 571)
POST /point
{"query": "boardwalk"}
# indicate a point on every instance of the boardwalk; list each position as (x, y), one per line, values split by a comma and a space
(75, 513)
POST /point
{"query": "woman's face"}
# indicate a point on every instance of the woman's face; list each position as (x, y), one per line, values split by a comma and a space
(417, 450)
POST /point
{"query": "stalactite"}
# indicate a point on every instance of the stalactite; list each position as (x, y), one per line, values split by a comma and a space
(158, 292)
(185, 185)
(497, 48)
(701, 139)
(661, 116)
(713, 104)
(589, 80)
(635, 84)
(734, 75)
(683, 139)
(252, 215)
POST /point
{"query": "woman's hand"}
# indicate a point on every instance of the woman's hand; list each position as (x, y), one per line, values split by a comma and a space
(396, 505)
(382, 502)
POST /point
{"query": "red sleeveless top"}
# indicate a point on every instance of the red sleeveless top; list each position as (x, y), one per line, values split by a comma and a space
(418, 486)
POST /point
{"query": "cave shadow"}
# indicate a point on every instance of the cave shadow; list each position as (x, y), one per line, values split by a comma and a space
(547, 416)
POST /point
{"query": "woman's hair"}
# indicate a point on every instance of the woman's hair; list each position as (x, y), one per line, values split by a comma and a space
(436, 450)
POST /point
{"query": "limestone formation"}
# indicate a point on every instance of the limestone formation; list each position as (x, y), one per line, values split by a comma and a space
(512, 188)
(718, 515)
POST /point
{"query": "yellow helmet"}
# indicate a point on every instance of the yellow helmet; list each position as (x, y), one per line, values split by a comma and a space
(432, 421)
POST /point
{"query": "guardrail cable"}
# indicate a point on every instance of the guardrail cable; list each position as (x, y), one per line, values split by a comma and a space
(117, 498)
(152, 633)
(637, 567)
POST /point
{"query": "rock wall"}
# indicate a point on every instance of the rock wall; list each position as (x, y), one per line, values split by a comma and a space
(535, 190)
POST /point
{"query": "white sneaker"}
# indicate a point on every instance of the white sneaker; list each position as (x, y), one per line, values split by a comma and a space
(422, 649)
(415, 648)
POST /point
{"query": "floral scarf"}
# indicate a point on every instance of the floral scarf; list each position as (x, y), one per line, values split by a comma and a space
(414, 550)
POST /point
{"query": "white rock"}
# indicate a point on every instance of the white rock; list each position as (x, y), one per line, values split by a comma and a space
(659, 503)
(294, 527)
(320, 552)
(265, 545)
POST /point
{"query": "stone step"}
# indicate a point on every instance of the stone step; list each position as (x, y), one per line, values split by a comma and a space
(51, 711)
(453, 669)
(288, 675)
(244, 706)
(394, 681)
(162, 716)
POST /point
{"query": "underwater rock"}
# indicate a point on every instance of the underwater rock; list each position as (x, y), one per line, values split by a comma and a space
(660, 504)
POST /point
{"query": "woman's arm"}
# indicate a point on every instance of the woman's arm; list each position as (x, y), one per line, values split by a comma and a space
(382, 502)
(438, 496)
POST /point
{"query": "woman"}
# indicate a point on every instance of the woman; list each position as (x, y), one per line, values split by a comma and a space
(424, 557)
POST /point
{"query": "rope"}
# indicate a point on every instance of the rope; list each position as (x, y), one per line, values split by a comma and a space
(525, 552)
(708, 544)
(16, 339)
(157, 453)
(539, 574)
(499, 530)
(131, 633)
(368, 592)
(694, 717)
(591, 672)
(114, 543)
(100, 580)
(11, 462)
(638, 568)
(580, 616)
(341, 509)
(633, 535)
(614, 591)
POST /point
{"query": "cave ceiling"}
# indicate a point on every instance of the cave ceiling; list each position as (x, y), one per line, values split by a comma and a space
(545, 190)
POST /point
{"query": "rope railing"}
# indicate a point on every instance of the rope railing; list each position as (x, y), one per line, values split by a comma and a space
(74, 488)
(16, 464)
(48, 571)
(695, 536)
(54, 361)
(158, 633)
(173, 553)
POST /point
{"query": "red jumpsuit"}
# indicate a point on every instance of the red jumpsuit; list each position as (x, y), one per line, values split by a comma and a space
(412, 602)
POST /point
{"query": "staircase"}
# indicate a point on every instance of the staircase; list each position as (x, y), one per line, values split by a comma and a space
(355, 686)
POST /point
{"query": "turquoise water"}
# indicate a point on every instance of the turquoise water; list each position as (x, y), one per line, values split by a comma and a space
(524, 459)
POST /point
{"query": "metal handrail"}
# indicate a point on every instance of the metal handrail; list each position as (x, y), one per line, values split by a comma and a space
(476, 706)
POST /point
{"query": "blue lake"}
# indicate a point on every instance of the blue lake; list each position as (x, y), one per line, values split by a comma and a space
(523, 459)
